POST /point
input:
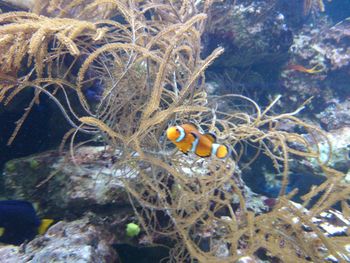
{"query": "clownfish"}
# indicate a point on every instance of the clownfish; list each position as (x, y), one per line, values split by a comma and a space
(188, 138)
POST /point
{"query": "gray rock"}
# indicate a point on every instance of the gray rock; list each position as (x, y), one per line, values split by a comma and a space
(61, 185)
(76, 241)
(340, 141)
(9, 254)
(251, 32)
(324, 48)
(336, 115)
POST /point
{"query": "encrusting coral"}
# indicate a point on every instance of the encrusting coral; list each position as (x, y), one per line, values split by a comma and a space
(148, 65)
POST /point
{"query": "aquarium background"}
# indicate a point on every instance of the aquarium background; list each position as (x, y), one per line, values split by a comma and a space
(88, 90)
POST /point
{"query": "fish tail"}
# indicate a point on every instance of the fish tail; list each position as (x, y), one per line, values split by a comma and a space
(220, 150)
(45, 224)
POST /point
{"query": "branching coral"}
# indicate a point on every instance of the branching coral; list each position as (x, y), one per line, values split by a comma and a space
(90, 10)
(44, 43)
(313, 6)
(25, 34)
(150, 68)
(205, 200)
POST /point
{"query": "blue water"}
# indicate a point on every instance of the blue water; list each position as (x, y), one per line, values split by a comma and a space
(252, 72)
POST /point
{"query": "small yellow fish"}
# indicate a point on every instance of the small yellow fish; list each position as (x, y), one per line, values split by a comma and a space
(188, 138)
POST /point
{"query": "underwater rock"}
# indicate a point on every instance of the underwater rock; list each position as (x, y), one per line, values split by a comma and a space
(336, 115)
(9, 254)
(336, 44)
(340, 158)
(340, 141)
(319, 64)
(256, 38)
(253, 202)
(251, 33)
(59, 185)
(76, 241)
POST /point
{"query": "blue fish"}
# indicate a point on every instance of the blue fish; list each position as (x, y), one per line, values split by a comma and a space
(94, 93)
(19, 222)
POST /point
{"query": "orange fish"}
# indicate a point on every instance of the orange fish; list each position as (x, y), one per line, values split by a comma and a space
(187, 138)
(316, 69)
